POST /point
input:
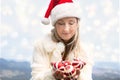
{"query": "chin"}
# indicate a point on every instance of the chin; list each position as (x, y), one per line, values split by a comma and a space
(66, 39)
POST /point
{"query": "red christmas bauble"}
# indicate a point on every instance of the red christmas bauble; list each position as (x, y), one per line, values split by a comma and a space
(78, 64)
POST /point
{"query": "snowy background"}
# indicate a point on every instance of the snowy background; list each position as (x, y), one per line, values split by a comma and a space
(20, 25)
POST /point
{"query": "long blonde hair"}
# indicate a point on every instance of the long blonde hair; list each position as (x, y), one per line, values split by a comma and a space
(73, 42)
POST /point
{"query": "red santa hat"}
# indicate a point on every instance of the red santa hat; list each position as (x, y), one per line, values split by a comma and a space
(59, 9)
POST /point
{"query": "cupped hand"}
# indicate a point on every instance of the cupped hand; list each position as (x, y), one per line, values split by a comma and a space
(59, 75)
(73, 77)
(77, 74)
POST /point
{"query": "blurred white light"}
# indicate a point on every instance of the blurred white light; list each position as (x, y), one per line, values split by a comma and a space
(88, 28)
(97, 22)
(14, 35)
(25, 44)
(6, 10)
(22, 12)
(113, 21)
(5, 30)
(91, 10)
(97, 47)
(99, 56)
(31, 9)
(35, 22)
(13, 51)
(107, 7)
(118, 30)
(115, 58)
(20, 57)
(42, 11)
(3, 43)
(108, 11)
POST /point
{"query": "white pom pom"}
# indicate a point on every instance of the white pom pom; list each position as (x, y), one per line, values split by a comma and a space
(45, 21)
(60, 46)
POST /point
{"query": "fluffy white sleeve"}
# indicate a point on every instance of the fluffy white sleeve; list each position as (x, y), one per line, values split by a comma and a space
(40, 65)
(86, 72)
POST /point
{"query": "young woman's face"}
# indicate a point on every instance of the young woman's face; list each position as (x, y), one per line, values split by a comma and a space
(66, 27)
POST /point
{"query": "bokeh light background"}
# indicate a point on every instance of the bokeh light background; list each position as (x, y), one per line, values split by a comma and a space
(20, 25)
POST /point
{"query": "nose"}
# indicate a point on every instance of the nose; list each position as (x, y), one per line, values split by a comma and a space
(66, 28)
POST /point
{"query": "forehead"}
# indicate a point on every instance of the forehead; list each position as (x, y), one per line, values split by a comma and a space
(67, 18)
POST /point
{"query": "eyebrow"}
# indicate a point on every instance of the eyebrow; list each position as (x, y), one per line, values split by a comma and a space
(71, 20)
(63, 20)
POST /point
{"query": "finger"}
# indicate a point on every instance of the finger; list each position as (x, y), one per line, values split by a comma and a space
(56, 74)
(64, 76)
(60, 74)
(76, 76)
(77, 71)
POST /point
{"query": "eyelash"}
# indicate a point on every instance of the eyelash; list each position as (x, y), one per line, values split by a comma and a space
(61, 23)
(71, 23)
(64, 23)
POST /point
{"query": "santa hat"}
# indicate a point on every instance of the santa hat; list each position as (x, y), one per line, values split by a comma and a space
(59, 9)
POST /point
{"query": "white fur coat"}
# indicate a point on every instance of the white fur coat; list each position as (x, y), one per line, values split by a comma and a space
(47, 51)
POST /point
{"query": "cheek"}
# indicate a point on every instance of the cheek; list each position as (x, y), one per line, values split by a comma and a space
(59, 31)
(73, 31)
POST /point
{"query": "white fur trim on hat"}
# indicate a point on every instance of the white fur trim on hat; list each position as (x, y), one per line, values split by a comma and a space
(65, 10)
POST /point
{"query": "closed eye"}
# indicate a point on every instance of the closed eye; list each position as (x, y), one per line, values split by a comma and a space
(61, 24)
(71, 23)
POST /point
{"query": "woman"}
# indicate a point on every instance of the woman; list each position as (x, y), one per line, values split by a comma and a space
(62, 44)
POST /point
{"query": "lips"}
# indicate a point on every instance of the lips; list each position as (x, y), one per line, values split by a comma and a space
(66, 33)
